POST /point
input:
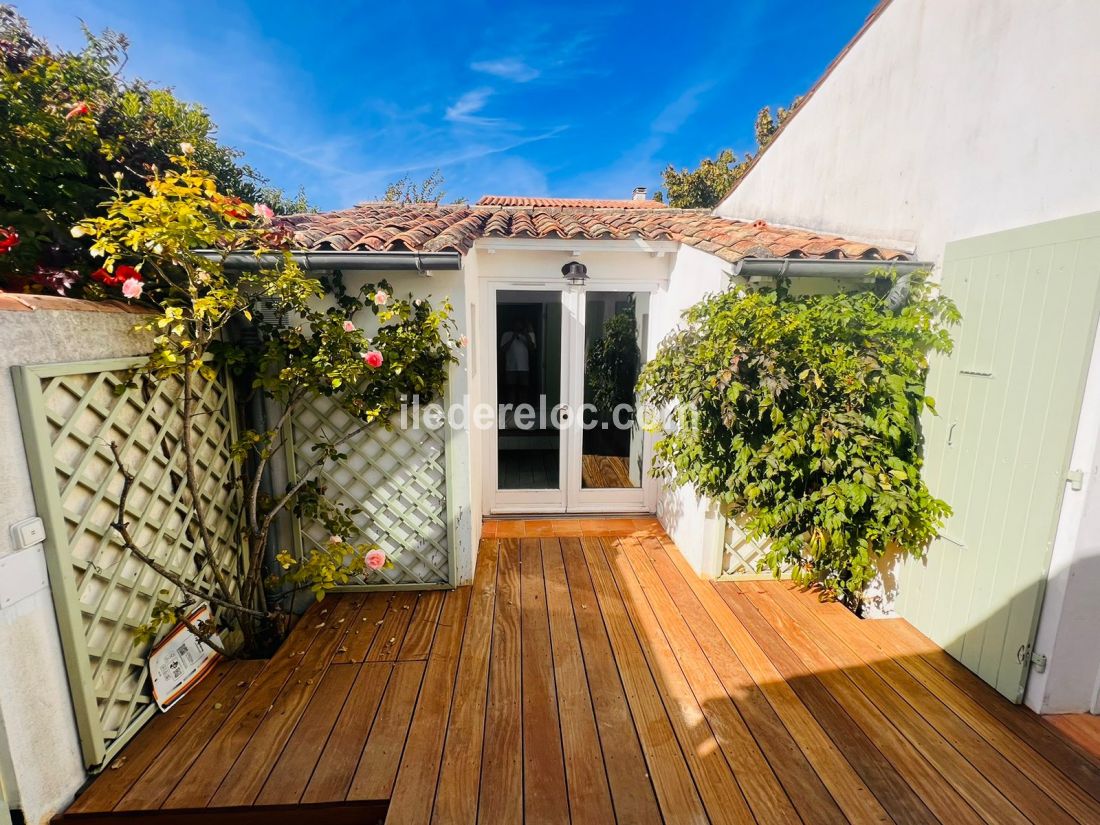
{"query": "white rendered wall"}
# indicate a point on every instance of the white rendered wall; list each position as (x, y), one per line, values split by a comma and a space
(42, 768)
(690, 521)
(945, 121)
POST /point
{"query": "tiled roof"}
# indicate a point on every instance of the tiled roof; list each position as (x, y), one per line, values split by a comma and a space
(455, 228)
(568, 203)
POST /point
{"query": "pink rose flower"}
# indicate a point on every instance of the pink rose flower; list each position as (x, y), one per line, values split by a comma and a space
(264, 212)
(335, 540)
(380, 297)
(131, 288)
(373, 358)
(376, 559)
(79, 109)
(464, 341)
(349, 326)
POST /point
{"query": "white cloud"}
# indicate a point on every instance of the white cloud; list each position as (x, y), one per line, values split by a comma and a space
(466, 108)
(508, 68)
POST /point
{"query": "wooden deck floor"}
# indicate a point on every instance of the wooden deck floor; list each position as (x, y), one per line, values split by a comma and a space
(588, 676)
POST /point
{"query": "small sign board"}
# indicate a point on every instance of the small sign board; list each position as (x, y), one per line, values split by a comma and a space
(180, 660)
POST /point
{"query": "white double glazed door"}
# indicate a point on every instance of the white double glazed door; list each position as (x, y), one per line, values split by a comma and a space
(560, 377)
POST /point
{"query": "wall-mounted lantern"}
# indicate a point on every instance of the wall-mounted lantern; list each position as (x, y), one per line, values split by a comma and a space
(575, 272)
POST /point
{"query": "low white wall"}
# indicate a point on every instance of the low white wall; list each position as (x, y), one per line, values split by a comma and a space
(690, 521)
(43, 767)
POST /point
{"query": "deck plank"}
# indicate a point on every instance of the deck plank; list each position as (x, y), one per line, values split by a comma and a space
(252, 767)
(422, 627)
(377, 770)
(719, 789)
(766, 797)
(1017, 785)
(589, 676)
(545, 798)
(813, 687)
(335, 769)
(929, 784)
(455, 801)
(154, 786)
(128, 767)
(1021, 721)
(362, 628)
(672, 779)
(1019, 752)
(501, 791)
(632, 792)
(845, 785)
(205, 775)
(292, 772)
(391, 633)
(414, 791)
(814, 803)
(588, 792)
(967, 780)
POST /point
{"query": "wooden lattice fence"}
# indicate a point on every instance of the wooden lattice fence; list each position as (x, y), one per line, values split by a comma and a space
(399, 477)
(70, 413)
(741, 555)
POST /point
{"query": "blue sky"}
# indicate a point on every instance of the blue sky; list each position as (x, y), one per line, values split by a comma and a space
(561, 98)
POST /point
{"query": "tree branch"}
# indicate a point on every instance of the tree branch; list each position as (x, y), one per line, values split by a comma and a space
(205, 638)
(122, 528)
(303, 477)
(193, 482)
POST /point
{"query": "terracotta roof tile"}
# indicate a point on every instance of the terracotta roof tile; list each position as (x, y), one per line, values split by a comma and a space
(567, 203)
(455, 228)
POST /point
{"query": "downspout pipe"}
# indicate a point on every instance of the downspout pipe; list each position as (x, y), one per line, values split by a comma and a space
(328, 260)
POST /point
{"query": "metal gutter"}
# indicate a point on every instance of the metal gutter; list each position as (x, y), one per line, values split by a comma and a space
(326, 260)
(821, 267)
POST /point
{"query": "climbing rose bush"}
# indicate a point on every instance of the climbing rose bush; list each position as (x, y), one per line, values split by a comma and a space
(801, 415)
(209, 316)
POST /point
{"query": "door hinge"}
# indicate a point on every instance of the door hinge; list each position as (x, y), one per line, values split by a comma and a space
(1026, 656)
(1076, 479)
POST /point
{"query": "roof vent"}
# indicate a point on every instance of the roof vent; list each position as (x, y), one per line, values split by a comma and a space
(639, 193)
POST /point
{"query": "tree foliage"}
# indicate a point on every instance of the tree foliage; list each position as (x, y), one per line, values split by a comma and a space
(69, 122)
(706, 185)
(405, 190)
(801, 413)
(147, 242)
(613, 361)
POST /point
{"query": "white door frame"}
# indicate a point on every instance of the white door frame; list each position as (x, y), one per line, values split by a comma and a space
(570, 497)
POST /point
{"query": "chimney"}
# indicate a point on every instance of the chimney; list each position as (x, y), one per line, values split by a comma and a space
(639, 193)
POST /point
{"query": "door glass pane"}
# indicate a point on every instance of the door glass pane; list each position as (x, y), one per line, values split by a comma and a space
(614, 343)
(528, 340)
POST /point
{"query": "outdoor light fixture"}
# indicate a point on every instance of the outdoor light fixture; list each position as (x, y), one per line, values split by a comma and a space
(574, 272)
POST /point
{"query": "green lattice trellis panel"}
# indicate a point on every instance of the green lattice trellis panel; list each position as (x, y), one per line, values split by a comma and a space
(398, 477)
(70, 413)
(742, 556)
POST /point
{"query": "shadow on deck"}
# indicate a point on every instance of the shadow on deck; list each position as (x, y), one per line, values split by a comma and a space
(588, 676)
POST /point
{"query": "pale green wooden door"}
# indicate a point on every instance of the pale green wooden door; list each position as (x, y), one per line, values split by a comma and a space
(998, 452)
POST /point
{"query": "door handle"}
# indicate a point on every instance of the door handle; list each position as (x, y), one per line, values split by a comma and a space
(951, 432)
